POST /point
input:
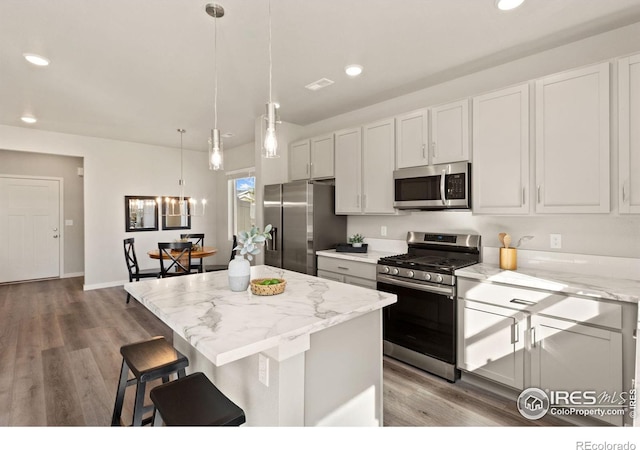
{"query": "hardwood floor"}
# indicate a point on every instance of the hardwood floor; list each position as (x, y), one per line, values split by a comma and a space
(60, 361)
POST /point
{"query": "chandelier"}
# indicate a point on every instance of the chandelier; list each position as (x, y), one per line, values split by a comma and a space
(181, 206)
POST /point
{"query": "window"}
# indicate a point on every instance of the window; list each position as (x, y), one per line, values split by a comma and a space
(242, 204)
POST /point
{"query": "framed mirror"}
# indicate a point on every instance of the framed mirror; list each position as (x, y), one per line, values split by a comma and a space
(140, 213)
(172, 213)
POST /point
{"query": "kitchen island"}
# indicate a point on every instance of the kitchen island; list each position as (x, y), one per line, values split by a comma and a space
(311, 356)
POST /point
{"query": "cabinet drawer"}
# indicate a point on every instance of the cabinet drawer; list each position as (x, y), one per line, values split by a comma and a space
(330, 276)
(345, 267)
(566, 307)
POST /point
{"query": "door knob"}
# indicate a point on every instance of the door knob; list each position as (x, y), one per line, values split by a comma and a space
(55, 236)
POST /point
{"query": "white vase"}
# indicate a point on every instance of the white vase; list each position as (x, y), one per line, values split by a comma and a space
(239, 273)
(356, 244)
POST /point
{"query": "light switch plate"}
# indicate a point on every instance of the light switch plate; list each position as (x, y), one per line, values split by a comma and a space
(555, 241)
(68, 222)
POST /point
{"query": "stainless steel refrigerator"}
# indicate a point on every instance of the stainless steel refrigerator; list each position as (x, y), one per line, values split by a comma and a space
(303, 217)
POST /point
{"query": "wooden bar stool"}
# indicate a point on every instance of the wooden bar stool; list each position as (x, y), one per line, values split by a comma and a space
(194, 401)
(148, 360)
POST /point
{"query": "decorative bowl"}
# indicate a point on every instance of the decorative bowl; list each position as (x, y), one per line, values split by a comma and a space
(269, 289)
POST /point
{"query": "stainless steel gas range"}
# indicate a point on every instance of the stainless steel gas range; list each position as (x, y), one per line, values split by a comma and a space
(420, 329)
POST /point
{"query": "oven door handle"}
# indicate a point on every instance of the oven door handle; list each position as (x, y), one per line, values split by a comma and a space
(415, 285)
(442, 187)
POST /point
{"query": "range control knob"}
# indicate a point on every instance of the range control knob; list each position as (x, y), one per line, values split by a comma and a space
(410, 274)
(394, 271)
(385, 269)
(427, 276)
(439, 278)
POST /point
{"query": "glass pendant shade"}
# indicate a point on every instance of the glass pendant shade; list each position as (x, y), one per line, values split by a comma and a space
(216, 156)
(270, 145)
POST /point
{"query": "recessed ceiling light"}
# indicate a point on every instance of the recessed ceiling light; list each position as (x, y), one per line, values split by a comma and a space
(36, 60)
(506, 5)
(353, 70)
(28, 119)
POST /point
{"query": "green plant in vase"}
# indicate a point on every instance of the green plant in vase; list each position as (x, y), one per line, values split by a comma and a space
(356, 240)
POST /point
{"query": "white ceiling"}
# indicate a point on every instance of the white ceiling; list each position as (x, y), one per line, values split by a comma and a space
(136, 70)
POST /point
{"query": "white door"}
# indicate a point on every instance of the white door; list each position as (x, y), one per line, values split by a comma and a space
(450, 132)
(322, 155)
(412, 136)
(29, 229)
(572, 141)
(348, 171)
(378, 161)
(501, 151)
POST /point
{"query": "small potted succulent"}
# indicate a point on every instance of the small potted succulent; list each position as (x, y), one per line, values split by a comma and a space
(249, 243)
(356, 240)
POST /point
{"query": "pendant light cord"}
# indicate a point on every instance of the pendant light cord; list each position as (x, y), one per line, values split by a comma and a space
(270, 58)
(215, 72)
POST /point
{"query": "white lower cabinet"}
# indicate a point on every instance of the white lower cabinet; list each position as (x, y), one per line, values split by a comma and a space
(491, 342)
(346, 271)
(528, 338)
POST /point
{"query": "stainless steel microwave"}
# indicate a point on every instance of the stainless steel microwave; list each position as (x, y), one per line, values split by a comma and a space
(441, 186)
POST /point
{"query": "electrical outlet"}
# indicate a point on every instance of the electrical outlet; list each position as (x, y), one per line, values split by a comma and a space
(555, 240)
(383, 231)
(263, 369)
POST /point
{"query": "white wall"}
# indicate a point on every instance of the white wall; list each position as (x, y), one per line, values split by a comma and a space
(113, 169)
(598, 234)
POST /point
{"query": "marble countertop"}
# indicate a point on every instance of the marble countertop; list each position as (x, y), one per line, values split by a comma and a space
(226, 326)
(370, 257)
(570, 283)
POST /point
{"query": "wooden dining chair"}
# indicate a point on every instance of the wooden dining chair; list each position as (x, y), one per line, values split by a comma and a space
(216, 267)
(175, 258)
(197, 239)
(132, 265)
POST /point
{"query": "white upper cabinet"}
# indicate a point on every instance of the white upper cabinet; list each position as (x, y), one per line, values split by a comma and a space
(377, 167)
(322, 154)
(299, 160)
(311, 158)
(501, 152)
(450, 132)
(364, 174)
(412, 139)
(348, 151)
(572, 141)
(629, 135)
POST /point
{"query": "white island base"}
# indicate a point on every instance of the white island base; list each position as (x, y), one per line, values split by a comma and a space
(330, 378)
(310, 356)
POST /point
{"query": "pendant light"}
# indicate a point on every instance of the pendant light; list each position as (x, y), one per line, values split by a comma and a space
(216, 156)
(181, 207)
(270, 145)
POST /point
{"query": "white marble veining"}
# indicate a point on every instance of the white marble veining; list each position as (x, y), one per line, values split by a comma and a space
(619, 289)
(370, 257)
(226, 326)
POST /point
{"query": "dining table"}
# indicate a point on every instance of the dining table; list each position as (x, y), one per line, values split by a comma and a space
(196, 253)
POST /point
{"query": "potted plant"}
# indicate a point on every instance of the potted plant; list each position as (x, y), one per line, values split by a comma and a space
(248, 244)
(356, 240)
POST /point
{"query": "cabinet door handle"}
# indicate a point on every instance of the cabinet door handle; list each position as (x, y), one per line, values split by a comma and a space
(533, 338)
(343, 268)
(364, 200)
(624, 192)
(515, 333)
(307, 168)
(520, 301)
(538, 193)
(424, 146)
(358, 201)
(524, 196)
(433, 149)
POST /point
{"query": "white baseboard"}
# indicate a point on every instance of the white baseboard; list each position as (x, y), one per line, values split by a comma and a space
(90, 287)
(72, 275)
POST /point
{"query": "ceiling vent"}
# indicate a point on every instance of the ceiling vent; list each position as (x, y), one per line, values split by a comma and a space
(317, 85)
